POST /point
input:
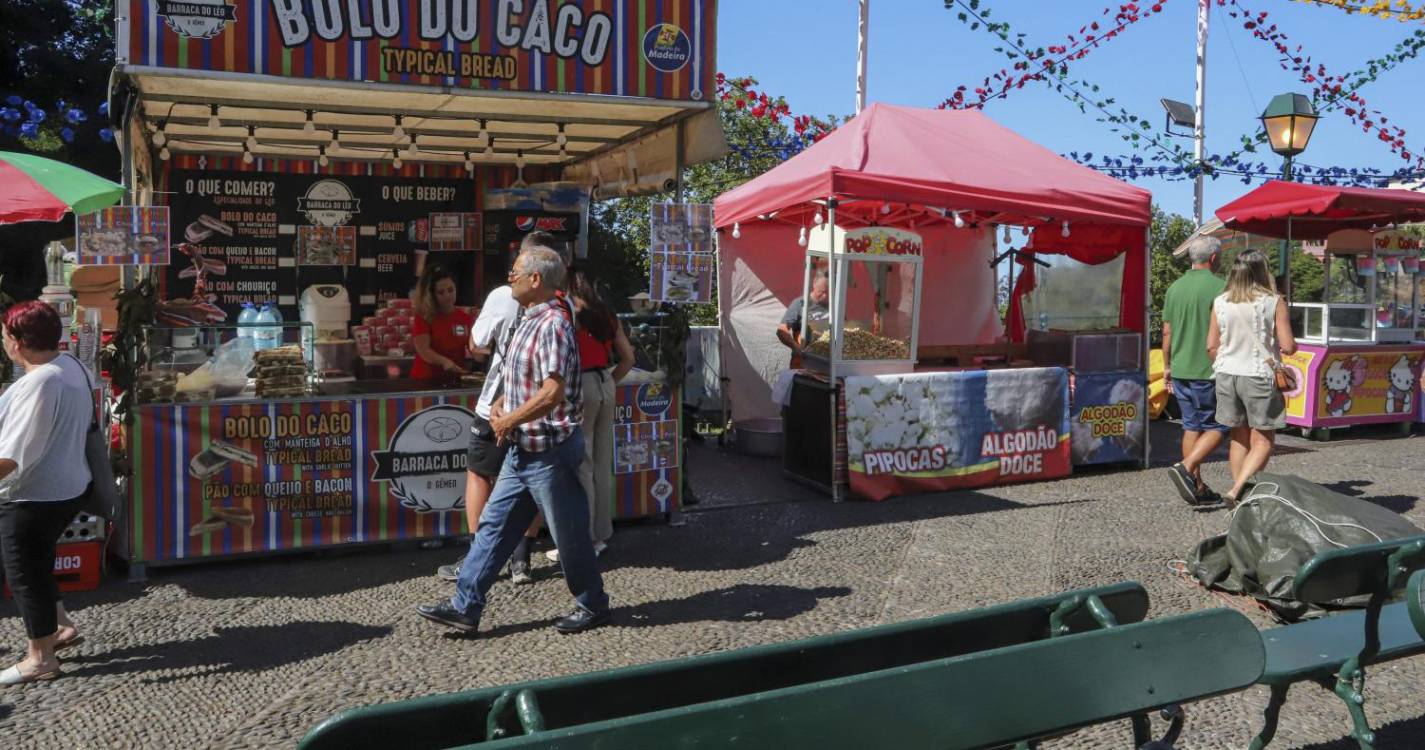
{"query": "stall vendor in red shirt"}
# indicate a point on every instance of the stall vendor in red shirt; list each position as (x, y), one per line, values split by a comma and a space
(441, 332)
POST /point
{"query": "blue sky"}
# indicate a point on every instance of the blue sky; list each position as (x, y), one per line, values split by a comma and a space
(805, 50)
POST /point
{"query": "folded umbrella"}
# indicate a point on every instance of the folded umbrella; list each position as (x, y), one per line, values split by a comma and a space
(33, 188)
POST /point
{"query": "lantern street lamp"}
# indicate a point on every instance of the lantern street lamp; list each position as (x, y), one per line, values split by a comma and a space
(1289, 120)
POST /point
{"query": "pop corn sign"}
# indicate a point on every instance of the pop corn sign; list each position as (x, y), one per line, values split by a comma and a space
(883, 241)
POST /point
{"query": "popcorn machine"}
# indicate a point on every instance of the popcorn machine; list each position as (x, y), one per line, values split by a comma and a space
(875, 275)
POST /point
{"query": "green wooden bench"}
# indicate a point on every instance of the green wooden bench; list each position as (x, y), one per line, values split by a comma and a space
(969, 702)
(456, 719)
(1334, 651)
(1415, 601)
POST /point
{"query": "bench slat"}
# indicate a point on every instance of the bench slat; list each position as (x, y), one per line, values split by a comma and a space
(975, 701)
(1307, 650)
(447, 720)
(1353, 571)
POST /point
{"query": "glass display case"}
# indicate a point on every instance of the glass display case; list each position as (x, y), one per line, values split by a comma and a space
(875, 276)
(1370, 291)
(204, 363)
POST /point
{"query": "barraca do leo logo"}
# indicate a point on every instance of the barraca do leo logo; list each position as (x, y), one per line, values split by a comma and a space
(425, 462)
(666, 47)
(199, 19)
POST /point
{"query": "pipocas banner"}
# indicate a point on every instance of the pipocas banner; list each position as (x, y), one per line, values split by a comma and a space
(907, 434)
(661, 49)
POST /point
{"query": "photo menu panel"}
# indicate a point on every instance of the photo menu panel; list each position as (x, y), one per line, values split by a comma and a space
(258, 237)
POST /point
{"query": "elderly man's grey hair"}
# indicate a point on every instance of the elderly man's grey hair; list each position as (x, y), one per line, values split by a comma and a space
(1203, 248)
(546, 263)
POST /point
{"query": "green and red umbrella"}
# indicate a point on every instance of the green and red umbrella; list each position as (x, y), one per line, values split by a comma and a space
(33, 188)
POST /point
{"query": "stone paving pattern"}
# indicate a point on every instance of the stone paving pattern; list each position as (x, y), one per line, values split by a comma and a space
(251, 654)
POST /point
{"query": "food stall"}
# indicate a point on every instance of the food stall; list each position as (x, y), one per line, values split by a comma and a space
(1361, 344)
(310, 161)
(914, 386)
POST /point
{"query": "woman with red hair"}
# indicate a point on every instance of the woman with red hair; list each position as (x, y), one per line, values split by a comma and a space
(43, 479)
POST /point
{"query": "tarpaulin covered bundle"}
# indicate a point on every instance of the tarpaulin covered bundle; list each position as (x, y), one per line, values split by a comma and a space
(1281, 524)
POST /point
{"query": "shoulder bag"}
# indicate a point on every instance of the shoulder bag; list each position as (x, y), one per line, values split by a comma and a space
(102, 498)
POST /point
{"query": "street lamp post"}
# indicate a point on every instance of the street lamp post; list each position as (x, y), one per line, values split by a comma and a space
(1289, 120)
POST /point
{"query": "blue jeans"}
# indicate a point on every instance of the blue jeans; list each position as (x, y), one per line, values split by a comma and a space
(528, 483)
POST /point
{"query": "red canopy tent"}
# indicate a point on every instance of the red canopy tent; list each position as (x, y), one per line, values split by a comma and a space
(1310, 212)
(926, 164)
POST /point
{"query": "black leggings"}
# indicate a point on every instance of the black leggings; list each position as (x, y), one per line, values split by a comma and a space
(29, 532)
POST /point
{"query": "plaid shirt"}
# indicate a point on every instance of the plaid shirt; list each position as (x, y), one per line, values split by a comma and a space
(544, 345)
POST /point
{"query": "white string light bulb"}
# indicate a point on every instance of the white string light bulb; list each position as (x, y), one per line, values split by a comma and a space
(519, 159)
(399, 132)
(164, 154)
(561, 139)
(1064, 232)
(309, 127)
(396, 158)
(802, 237)
(159, 138)
(736, 230)
(818, 218)
(885, 208)
(1007, 238)
(469, 165)
(247, 157)
(322, 159)
(959, 221)
(489, 146)
(213, 121)
(251, 138)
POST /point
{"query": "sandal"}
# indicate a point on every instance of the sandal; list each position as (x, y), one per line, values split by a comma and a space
(13, 676)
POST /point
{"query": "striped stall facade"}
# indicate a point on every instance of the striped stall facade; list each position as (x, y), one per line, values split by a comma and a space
(212, 480)
(661, 49)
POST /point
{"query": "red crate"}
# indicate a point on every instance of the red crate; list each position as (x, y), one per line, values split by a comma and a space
(77, 567)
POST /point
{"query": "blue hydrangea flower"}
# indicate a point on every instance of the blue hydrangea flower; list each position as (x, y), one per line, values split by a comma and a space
(75, 116)
(13, 100)
(103, 109)
(37, 115)
(30, 130)
(106, 135)
(67, 134)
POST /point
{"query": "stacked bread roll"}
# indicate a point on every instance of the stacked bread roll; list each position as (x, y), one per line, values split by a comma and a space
(280, 372)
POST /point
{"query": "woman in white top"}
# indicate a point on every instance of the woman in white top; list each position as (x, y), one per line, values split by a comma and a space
(43, 479)
(1248, 333)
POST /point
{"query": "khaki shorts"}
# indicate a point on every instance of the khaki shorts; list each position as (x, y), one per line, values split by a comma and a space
(1250, 400)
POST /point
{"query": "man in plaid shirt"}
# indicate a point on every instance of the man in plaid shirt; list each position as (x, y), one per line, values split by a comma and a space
(540, 415)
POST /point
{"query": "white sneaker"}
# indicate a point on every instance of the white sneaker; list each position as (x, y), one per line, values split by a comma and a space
(599, 548)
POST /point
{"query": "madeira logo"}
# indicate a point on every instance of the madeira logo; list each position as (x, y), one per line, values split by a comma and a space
(199, 19)
(666, 47)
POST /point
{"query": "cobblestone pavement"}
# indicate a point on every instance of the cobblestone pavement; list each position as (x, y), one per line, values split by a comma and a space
(252, 654)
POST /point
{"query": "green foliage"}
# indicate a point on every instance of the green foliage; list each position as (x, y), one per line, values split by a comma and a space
(619, 227)
(1168, 231)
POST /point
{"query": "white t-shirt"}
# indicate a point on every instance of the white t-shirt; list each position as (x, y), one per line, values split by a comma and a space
(491, 331)
(43, 419)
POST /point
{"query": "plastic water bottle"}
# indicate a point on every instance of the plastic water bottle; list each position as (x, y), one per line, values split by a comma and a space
(263, 331)
(246, 322)
(274, 331)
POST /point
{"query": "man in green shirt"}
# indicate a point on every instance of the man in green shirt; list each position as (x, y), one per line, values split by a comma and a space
(1187, 310)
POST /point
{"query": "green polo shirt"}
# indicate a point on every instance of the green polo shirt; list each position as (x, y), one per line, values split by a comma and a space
(1186, 310)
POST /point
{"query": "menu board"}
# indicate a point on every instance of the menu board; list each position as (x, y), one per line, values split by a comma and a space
(681, 257)
(257, 237)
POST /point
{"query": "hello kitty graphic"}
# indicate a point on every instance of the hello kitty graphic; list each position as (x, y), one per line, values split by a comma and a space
(1343, 376)
(1400, 396)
